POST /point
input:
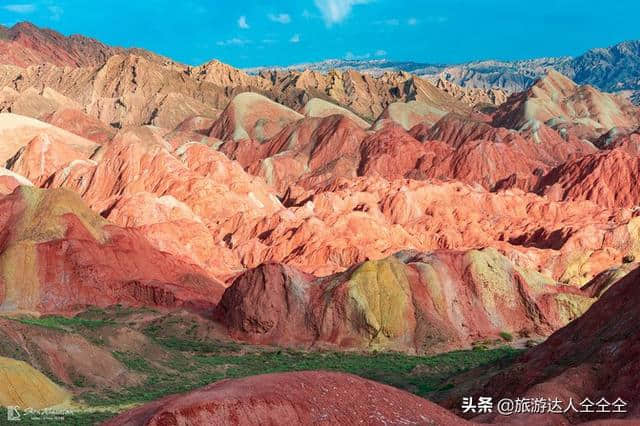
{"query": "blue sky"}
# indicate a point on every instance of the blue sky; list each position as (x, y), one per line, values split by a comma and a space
(262, 32)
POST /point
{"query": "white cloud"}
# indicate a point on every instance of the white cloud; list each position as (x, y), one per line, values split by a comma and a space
(20, 8)
(242, 23)
(350, 56)
(233, 42)
(55, 13)
(335, 11)
(380, 53)
(282, 18)
(295, 38)
(412, 22)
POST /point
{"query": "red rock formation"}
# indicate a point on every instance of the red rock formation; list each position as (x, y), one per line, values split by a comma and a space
(317, 107)
(252, 116)
(606, 178)
(25, 44)
(333, 223)
(223, 75)
(10, 181)
(456, 130)
(171, 226)
(126, 90)
(409, 114)
(554, 147)
(194, 174)
(134, 87)
(198, 124)
(58, 256)
(17, 131)
(291, 398)
(323, 141)
(421, 131)
(472, 96)
(486, 163)
(42, 157)
(605, 279)
(536, 142)
(392, 153)
(593, 357)
(629, 143)
(189, 200)
(178, 138)
(416, 302)
(37, 102)
(496, 157)
(63, 356)
(372, 218)
(312, 151)
(366, 95)
(555, 99)
(81, 124)
(199, 183)
(306, 149)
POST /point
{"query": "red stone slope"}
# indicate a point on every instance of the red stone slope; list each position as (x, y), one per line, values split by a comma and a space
(81, 124)
(608, 178)
(291, 398)
(56, 255)
(595, 356)
(24, 44)
(10, 180)
(252, 116)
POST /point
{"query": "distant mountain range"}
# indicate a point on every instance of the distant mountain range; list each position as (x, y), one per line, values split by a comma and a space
(612, 69)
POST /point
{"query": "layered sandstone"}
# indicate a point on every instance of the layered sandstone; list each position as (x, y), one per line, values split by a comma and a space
(555, 99)
(425, 303)
(58, 256)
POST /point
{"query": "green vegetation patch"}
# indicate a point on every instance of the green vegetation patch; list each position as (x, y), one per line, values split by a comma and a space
(195, 364)
(133, 361)
(65, 323)
(508, 337)
(197, 346)
(179, 355)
